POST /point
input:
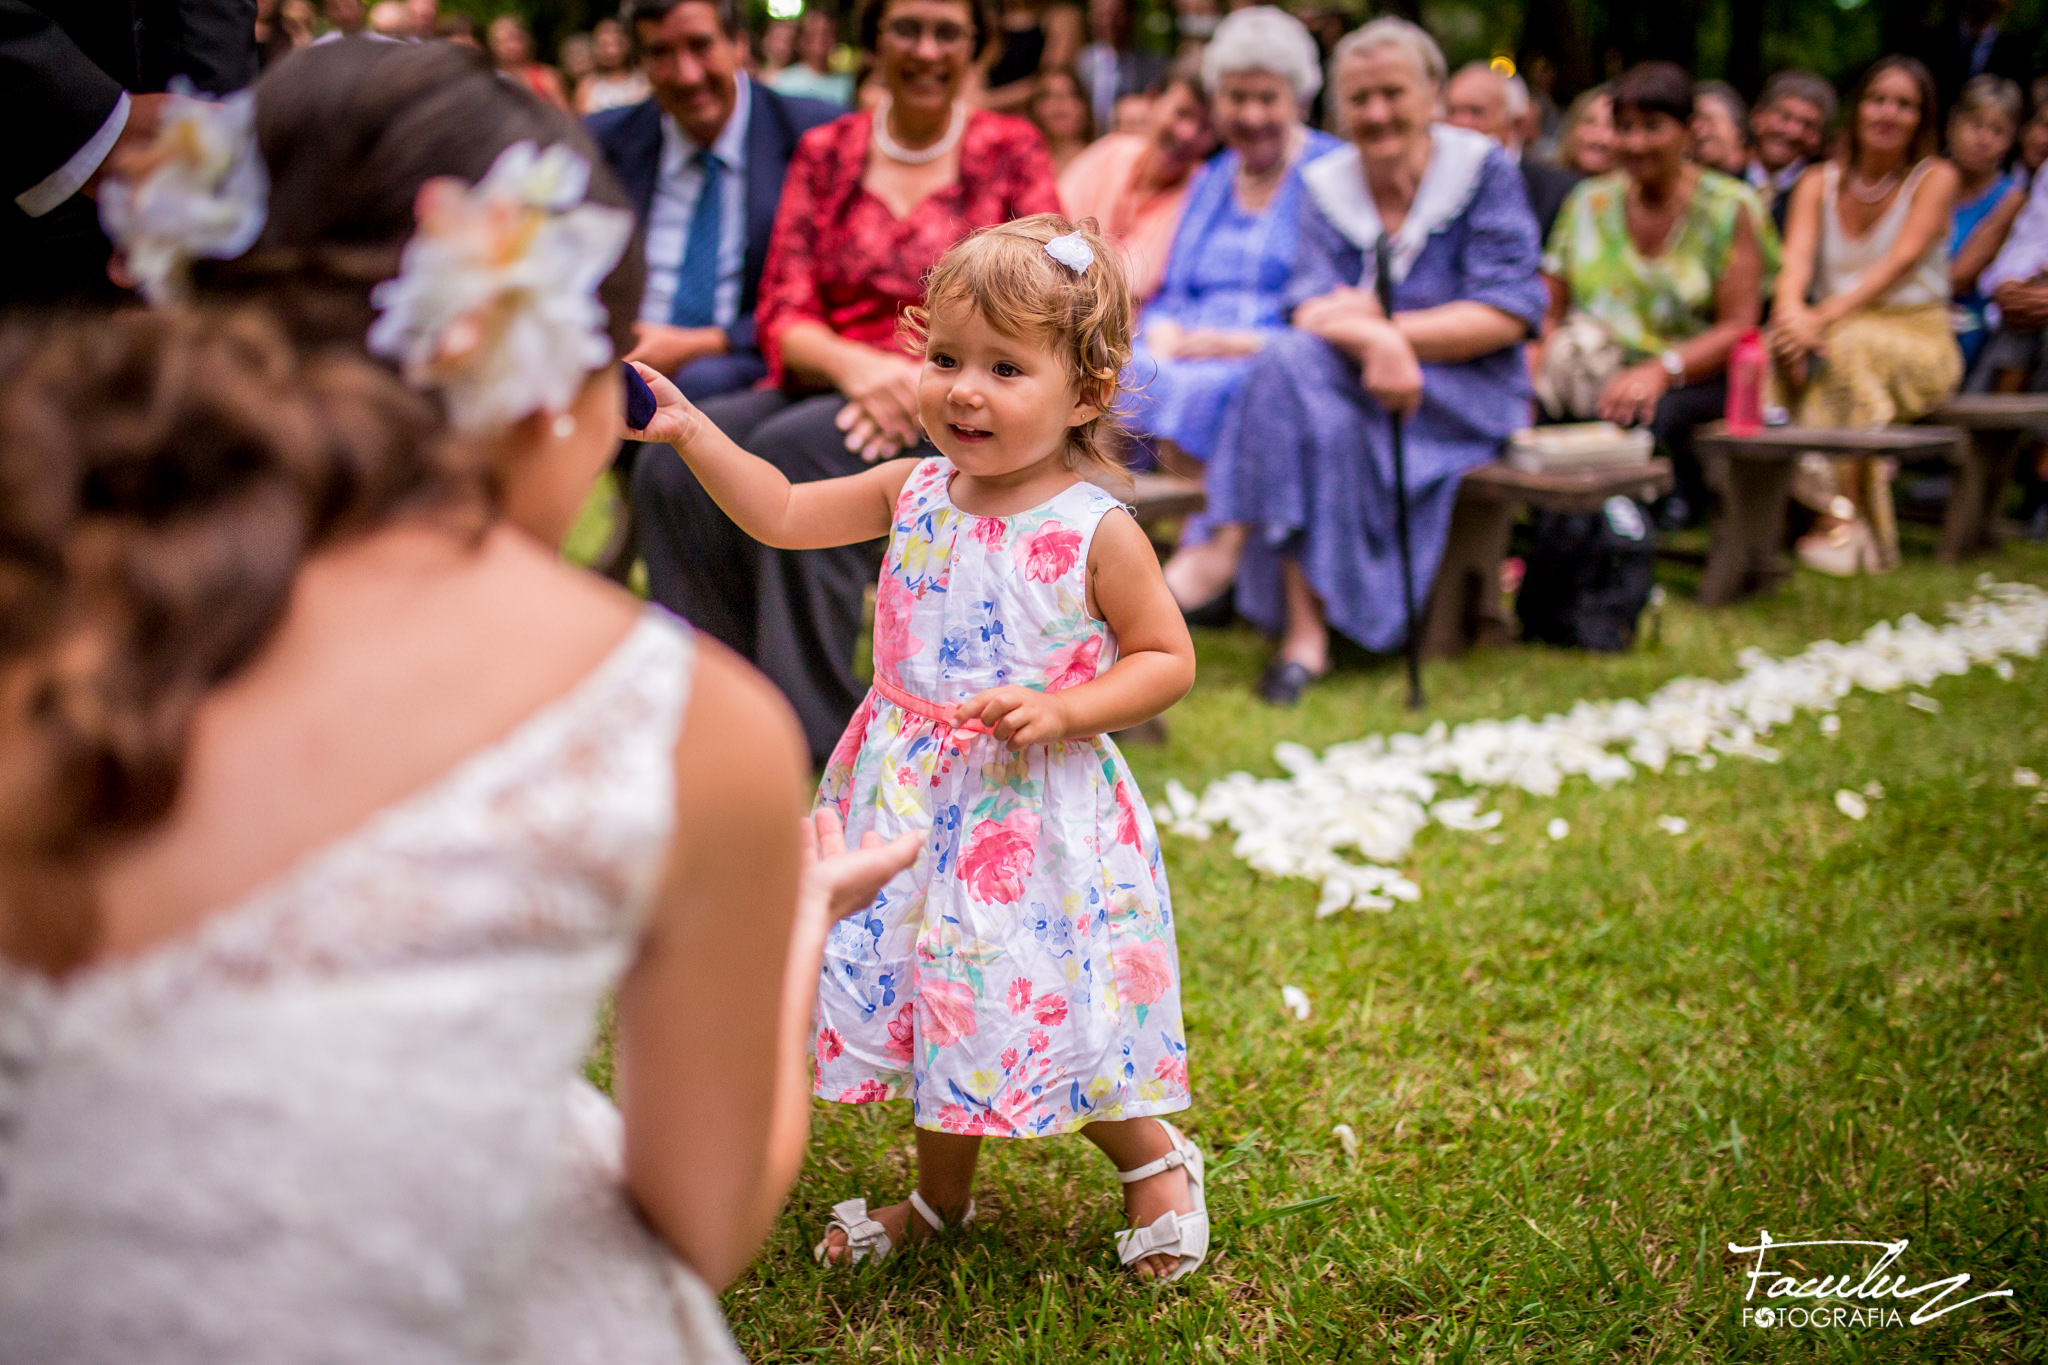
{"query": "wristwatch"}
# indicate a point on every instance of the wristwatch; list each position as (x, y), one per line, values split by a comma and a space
(1674, 365)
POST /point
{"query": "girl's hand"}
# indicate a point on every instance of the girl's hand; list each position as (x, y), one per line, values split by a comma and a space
(676, 420)
(880, 416)
(838, 882)
(1020, 716)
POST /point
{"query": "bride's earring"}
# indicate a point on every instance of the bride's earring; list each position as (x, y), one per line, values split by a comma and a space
(565, 427)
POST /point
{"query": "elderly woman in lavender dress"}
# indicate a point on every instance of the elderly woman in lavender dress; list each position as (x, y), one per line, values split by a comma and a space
(1301, 480)
(1226, 276)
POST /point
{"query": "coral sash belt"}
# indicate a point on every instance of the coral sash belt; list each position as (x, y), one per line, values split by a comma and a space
(930, 710)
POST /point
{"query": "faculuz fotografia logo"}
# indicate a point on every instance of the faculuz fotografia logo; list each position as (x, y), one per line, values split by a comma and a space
(1864, 1287)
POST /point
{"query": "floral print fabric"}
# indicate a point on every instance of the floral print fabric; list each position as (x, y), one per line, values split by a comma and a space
(1665, 300)
(1020, 980)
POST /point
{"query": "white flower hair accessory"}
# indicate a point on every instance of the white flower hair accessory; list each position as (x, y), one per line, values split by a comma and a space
(1072, 251)
(200, 190)
(495, 303)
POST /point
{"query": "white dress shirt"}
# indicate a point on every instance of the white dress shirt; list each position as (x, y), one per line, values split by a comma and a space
(69, 178)
(676, 186)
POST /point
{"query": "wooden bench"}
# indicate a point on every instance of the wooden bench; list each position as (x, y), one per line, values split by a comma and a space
(1754, 477)
(1994, 425)
(1464, 606)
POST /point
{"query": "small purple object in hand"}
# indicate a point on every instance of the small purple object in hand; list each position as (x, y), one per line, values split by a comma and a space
(640, 404)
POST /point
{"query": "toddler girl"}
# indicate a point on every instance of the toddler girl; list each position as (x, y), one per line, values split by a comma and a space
(1020, 980)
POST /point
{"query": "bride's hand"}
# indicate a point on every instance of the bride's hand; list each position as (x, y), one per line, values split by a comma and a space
(839, 881)
(676, 421)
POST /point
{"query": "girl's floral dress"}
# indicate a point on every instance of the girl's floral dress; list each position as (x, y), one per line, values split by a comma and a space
(1020, 979)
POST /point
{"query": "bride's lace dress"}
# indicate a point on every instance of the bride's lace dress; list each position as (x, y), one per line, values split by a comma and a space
(344, 1121)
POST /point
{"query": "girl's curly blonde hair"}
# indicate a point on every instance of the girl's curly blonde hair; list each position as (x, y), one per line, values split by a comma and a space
(1005, 274)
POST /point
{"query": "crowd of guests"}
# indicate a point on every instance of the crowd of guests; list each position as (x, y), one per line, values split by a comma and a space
(1600, 262)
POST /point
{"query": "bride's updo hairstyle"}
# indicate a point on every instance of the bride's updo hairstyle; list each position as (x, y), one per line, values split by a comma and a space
(349, 132)
(162, 476)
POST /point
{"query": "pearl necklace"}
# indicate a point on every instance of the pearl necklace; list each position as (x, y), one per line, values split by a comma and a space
(1878, 188)
(896, 151)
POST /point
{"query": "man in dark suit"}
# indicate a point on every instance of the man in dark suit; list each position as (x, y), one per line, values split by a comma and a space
(81, 81)
(707, 124)
(1485, 101)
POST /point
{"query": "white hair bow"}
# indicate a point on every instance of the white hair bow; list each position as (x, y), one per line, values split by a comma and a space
(1072, 251)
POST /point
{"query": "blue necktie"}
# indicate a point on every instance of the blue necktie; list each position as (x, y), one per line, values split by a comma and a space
(697, 278)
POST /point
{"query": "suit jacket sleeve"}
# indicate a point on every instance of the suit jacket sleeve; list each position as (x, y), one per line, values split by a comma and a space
(53, 98)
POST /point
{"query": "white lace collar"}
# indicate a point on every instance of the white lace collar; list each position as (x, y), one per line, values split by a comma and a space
(1337, 181)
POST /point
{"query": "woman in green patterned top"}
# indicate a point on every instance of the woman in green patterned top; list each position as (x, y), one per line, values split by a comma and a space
(1655, 270)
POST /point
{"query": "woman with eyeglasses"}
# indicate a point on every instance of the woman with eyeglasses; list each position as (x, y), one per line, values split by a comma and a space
(871, 202)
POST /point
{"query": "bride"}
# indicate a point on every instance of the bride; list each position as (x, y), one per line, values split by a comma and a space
(332, 805)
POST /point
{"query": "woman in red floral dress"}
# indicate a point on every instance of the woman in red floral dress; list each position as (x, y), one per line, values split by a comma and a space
(871, 202)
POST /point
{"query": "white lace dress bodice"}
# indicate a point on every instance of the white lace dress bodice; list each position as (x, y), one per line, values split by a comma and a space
(344, 1120)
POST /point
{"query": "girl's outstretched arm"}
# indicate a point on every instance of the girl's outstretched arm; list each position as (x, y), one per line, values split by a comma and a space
(1155, 665)
(757, 495)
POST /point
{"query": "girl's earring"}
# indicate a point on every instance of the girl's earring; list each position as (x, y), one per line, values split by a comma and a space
(565, 426)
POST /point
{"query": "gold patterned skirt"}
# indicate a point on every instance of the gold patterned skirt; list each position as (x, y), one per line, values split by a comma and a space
(1879, 366)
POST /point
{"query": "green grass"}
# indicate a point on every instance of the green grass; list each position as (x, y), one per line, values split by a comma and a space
(1577, 1070)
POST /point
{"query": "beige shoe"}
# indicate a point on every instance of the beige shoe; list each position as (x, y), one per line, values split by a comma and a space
(1847, 550)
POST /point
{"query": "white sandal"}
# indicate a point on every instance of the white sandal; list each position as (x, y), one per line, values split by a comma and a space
(866, 1237)
(1185, 1235)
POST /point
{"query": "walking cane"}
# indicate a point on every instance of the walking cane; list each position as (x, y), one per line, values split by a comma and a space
(1384, 283)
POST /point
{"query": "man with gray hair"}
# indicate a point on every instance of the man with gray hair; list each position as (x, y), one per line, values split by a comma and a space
(1482, 99)
(1787, 130)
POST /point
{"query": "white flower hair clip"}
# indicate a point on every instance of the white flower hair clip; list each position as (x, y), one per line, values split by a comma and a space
(495, 303)
(199, 191)
(1072, 251)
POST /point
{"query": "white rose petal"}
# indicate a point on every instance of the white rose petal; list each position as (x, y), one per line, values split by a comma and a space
(1346, 1139)
(1346, 818)
(1920, 701)
(1850, 804)
(1672, 824)
(1295, 999)
(2003, 668)
(2025, 777)
(1874, 789)
(1558, 828)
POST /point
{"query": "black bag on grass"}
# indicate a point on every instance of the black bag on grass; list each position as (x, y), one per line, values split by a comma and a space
(1588, 577)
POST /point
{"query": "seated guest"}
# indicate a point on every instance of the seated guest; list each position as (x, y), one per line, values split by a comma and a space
(1036, 38)
(707, 124)
(614, 81)
(1058, 108)
(1302, 478)
(873, 199)
(2033, 143)
(1137, 187)
(511, 47)
(1865, 289)
(1988, 197)
(1585, 143)
(2017, 281)
(1480, 98)
(1718, 119)
(1110, 66)
(1787, 130)
(1654, 271)
(1222, 295)
(811, 75)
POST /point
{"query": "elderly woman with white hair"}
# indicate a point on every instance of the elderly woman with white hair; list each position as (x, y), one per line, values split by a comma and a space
(1222, 296)
(1301, 481)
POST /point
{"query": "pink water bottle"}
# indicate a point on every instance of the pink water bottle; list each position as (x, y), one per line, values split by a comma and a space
(1746, 385)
